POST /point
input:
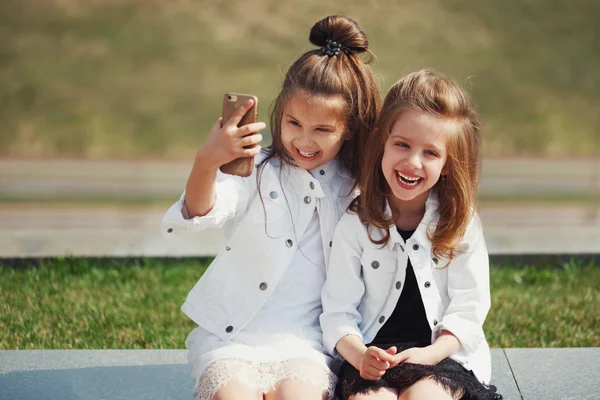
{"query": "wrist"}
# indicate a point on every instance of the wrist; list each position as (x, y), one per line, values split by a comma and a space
(352, 349)
(205, 159)
(436, 354)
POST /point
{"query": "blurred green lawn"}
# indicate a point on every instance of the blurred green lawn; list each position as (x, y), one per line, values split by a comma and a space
(130, 78)
(96, 304)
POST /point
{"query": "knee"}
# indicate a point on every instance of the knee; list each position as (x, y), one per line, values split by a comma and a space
(233, 391)
(426, 389)
(294, 389)
(381, 394)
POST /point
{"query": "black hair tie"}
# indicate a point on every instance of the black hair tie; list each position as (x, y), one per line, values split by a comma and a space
(333, 48)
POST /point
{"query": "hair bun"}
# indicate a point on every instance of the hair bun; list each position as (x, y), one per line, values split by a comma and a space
(343, 30)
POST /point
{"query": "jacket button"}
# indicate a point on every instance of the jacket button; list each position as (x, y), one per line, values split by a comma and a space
(415, 247)
(435, 260)
(427, 284)
(263, 286)
(381, 319)
(307, 199)
(375, 264)
(170, 230)
(273, 195)
(312, 185)
(398, 285)
(322, 172)
(227, 248)
(402, 248)
(434, 322)
(330, 244)
(229, 329)
(289, 243)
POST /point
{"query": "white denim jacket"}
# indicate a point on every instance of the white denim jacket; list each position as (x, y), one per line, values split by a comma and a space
(244, 274)
(364, 283)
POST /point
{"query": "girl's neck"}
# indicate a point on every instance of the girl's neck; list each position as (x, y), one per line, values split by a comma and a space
(407, 214)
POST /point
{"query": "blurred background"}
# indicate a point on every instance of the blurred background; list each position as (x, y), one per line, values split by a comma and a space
(104, 103)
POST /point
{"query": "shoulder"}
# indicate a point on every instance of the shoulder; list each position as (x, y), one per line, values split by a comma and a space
(350, 220)
(264, 165)
(352, 229)
(345, 180)
(475, 227)
(261, 157)
(350, 224)
(473, 234)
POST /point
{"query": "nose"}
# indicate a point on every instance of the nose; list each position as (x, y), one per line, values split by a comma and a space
(413, 160)
(304, 138)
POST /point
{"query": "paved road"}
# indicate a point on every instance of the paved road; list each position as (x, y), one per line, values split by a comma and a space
(47, 229)
(501, 178)
(30, 231)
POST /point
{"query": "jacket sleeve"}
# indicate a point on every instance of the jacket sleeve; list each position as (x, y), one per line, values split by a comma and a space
(232, 194)
(344, 287)
(469, 290)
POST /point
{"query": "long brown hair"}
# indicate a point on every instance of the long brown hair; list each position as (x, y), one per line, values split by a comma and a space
(428, 92)
(344, 75)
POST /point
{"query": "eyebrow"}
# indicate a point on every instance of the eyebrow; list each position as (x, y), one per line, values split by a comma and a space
(317, 126)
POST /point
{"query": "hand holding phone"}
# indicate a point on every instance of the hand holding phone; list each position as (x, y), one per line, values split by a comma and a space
(241, 166)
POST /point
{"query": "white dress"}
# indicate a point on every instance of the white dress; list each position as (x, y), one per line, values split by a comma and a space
(282, 341)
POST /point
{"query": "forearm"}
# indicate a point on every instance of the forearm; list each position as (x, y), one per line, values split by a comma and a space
(200, 190)
(444, 346)
(352, 349)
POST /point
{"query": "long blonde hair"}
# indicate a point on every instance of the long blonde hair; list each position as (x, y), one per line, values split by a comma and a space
(428, 92)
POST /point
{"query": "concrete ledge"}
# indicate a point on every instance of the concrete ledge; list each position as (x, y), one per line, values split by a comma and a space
(95, 375)
(529, 374)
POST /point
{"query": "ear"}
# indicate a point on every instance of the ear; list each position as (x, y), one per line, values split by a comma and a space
(445, 169)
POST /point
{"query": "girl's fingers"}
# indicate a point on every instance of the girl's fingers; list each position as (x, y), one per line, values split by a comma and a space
(250, 129)
(401, 357)
(366, 375)
(371, 370)
(379, 364)
(383, 355)
(251, 140)
(371, 377)
(238, 114)
(251, 152)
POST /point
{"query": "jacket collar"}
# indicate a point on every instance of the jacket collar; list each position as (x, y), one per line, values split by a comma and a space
(428, 222)
(324, 178)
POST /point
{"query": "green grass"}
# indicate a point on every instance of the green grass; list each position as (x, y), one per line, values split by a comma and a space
(95, 304)
(130, 78)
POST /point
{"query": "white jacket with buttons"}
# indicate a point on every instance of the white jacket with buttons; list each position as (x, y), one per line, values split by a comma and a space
(260, 237)
(362, 289)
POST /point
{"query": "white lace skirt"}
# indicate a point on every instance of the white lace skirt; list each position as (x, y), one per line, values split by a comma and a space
(259, 362)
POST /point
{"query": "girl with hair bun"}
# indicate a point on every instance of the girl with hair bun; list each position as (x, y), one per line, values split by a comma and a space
(257, 306)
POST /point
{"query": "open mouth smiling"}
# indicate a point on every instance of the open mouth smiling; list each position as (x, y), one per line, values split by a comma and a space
(307, 155)
(409, 181)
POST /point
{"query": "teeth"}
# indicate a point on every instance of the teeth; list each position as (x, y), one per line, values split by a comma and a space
(409, 181)
(305, 154)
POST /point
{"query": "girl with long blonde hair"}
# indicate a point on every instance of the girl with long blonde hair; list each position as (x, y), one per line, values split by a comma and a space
(407, 287)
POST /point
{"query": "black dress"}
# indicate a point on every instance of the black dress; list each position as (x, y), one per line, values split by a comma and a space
(407, 327)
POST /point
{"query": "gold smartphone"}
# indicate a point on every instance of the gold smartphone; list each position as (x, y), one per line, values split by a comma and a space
(232, 101)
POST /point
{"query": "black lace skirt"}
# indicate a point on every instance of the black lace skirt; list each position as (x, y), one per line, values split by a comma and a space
(449, 374)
